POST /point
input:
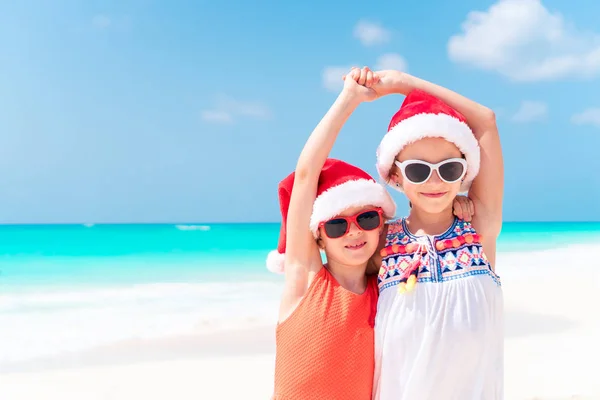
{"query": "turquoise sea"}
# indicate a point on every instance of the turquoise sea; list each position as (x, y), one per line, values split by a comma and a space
(69, 288)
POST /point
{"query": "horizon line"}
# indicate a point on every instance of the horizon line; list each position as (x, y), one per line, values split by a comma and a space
(227, 223)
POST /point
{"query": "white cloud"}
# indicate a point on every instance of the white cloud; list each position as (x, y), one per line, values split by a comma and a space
(101, 21)
(332, 77)
(228, 109)
(524, 41)
(531, 111)
(391, 61)
(216, 116)
(591, 116)
(371, 33)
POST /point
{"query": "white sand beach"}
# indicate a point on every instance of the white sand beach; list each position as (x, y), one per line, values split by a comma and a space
(552, 348)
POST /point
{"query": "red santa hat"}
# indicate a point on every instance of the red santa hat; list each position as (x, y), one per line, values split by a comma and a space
(423, 115)
(341, 186)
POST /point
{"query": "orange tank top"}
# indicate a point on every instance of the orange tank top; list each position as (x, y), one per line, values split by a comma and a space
(325, 348)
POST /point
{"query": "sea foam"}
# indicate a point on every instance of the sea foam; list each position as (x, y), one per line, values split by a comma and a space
(48, 322)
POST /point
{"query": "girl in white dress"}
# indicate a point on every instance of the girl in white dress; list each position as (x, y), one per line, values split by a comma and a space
(439, 324)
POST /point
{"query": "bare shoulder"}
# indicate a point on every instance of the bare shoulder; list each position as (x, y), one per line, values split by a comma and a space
(298, 280)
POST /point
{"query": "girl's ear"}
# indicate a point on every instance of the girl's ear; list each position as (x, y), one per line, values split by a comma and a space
(320, 243)
(395, 177)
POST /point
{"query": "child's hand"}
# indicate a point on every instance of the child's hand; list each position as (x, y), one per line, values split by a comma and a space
(463, 208)
(358, 82)
(391, 81)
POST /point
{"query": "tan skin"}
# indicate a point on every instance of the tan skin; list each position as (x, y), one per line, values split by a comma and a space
(487, 190)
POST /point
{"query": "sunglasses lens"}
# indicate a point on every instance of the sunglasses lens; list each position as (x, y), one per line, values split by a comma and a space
(417, 172)
(368, 220)
(335, 228)
(451, 171)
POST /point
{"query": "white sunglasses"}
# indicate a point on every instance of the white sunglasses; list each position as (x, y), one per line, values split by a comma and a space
(418, 171)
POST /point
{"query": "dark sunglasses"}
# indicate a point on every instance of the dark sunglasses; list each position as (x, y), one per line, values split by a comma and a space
(417, 171)
(365, 220)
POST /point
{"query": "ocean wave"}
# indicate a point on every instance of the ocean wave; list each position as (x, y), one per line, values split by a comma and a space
(38, 322)
(47, 323)
(193, 227)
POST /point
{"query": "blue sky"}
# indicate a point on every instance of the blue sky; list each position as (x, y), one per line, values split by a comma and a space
(147, 111)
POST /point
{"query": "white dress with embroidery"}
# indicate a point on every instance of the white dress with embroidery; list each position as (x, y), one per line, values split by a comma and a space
(442, 340)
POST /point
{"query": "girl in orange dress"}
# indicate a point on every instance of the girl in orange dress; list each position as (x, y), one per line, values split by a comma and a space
(325, 340)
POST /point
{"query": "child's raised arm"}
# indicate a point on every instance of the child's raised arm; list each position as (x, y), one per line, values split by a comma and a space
(302, 258)
(487, 189)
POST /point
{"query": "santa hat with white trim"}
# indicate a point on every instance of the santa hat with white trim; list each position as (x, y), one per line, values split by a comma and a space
(423, 115)
(341, 186)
